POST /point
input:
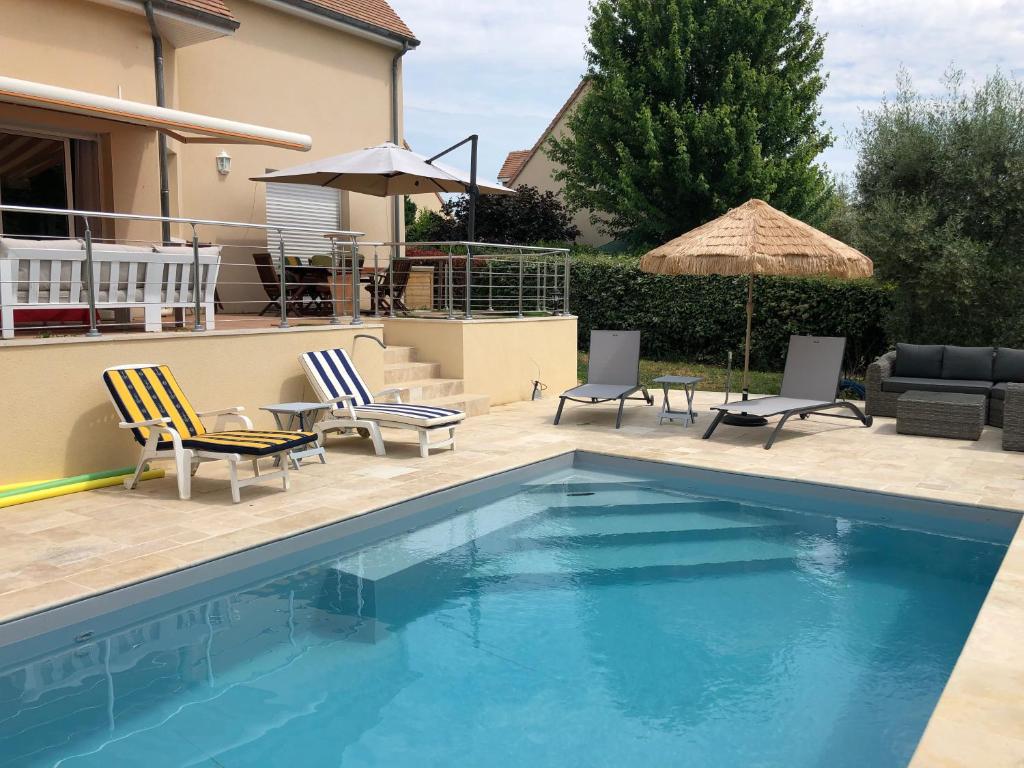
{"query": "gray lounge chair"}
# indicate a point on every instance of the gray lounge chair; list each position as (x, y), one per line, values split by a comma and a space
(809, 385)
(613, 372)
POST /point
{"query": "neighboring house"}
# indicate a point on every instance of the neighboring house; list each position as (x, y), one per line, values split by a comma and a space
(534, 168)
(324, 70)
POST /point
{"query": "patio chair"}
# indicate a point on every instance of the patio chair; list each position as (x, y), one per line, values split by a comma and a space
(810, 384)
(390, 287)
(152, 405)
(335, 380)
(271, 282)
(613, 372)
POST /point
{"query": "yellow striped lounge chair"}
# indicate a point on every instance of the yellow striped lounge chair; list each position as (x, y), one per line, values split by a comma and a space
(152, 405)
(335, 380)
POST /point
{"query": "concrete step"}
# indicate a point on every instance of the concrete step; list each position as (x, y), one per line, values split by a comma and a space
(430, 389)
(666, 553)
(400, 373)
(471, 405)
(394, 355)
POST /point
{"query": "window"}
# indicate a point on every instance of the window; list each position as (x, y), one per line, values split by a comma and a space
(34, 171)
(301, 205)
(42, 171)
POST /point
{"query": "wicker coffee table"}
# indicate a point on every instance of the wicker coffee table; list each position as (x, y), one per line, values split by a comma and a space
(941, 414)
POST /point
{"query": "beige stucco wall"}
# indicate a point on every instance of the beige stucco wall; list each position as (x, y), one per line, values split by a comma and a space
(539, 172)
(276, 70)
(58, 420)
(495, 357)
(69, 43)
(76, 44)
(284, 72)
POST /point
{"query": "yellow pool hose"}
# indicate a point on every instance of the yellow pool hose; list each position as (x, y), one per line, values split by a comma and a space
(10, 499)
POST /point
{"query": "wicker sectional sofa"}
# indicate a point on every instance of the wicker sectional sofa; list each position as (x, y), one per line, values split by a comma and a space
(991, 371)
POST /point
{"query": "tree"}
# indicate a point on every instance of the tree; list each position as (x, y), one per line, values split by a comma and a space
(410, 211)
(940, 209)
(694, 107)
(525, 217)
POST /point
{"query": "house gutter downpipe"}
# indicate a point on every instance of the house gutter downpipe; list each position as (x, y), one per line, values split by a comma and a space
(161, 101)
(397, 235)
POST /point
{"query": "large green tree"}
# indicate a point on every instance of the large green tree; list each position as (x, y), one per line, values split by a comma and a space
(940, 208)
(693, 107)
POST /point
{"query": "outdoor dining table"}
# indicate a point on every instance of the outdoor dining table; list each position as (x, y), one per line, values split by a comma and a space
(315, 282)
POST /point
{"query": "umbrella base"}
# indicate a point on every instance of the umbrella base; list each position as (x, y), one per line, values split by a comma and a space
(744, 420)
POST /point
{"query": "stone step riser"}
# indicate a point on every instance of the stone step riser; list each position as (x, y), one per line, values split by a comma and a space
(400, 373)
(394, 355)
(419, 391)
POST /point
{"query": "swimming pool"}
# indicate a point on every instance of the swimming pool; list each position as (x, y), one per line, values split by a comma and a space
(585, 611)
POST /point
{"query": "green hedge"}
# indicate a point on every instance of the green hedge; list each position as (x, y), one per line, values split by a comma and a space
(700, 318)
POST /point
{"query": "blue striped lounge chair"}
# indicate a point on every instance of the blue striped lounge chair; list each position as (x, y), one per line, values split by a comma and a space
(162, 420)
(335, 380)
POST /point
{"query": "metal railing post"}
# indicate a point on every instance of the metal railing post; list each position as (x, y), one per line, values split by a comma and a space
(197, 324)
(469, 282)
(376, 269)
(284, 280)
(391, 281)
(565, 286)
(520, 312)
(90, 280)
(490, 285)
(450, 288)
(335, 286)
(356, 319)
(542, 288)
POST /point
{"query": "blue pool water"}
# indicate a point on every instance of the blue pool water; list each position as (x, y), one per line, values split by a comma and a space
(583, 620)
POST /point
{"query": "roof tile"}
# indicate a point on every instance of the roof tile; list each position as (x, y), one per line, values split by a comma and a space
(212, 7)
(374, 12)
(513, 163)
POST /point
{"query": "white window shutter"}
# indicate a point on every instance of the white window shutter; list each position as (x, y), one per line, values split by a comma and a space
(301, 205)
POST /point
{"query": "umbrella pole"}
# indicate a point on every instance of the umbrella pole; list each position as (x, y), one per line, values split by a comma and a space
(743, 419)
(746, 343)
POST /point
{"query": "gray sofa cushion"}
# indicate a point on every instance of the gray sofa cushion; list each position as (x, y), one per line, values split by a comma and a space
(999, 391)
(968, 363)
(922, 361)
(965, 387)
(1009, 365)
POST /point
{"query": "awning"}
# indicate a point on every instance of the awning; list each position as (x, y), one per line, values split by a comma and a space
(186, 127)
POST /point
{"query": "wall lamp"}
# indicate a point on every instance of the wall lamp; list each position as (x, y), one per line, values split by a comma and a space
(223, 163)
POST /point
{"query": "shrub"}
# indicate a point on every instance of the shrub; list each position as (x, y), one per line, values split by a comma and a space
(940, 209)
(701, 318)
(526, 217)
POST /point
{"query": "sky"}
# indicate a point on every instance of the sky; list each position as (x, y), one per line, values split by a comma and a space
(503, 68)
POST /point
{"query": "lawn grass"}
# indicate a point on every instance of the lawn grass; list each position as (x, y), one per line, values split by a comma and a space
(761, 382)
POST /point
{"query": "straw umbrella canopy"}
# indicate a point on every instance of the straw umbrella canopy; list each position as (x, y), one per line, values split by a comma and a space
(756, 239)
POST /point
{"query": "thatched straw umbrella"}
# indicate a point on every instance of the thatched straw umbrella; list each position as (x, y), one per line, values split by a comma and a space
(756, 239)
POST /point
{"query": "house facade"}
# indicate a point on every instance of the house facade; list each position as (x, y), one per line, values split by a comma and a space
(325, 71)
(533, 167)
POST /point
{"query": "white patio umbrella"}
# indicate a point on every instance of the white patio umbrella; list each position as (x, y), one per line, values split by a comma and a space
(388, 170)
(383, 170)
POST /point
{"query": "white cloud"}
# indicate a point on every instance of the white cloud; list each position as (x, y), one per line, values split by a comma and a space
(502, 69)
